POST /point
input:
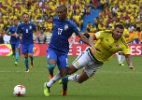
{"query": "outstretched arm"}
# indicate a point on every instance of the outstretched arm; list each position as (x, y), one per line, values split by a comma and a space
(89, 41)
(129, 62)
(85, 40)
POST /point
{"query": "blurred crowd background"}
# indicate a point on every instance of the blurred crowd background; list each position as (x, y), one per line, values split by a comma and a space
(110, 12)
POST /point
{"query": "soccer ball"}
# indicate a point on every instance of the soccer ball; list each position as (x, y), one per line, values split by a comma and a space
(19, 90)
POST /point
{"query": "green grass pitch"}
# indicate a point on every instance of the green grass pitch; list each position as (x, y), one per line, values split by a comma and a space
(111, 82)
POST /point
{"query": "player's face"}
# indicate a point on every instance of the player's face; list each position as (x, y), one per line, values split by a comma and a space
(61, 13)
(117, 33)
(26, 18)
(16, 22)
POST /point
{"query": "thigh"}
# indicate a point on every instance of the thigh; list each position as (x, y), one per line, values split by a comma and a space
(17, 45)
(13, 46)
(30, 48)
(92, 67)
(62, 61)
(24, 49)
(51, 55)
(81, 60)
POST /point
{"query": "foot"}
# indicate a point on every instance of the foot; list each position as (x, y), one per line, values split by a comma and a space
(27, 70)
(16, 63)
(32, 65)
(64, 93)
(46, 90)
(121, 64)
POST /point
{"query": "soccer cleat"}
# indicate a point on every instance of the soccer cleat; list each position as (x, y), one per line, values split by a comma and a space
(46, 90)
(32, 65)
(60, 81)
(16, 63)
(64, 93)
(27, 70)
(121, 64)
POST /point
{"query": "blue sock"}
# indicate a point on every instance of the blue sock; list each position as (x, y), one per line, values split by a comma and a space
(32, 59)
(26, 63)
(65, 82)
(17, 56)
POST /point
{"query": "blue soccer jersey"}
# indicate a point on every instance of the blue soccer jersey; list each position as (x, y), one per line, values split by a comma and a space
(27, 32)
(62, 30)
(13, 39)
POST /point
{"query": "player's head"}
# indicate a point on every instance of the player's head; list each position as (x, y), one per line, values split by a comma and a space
(25, 17)
(62, 12)
(16, 22)
(118, 31)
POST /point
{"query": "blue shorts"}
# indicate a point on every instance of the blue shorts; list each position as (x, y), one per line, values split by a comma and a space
(27, 48)
(15, 45)
(59, 57)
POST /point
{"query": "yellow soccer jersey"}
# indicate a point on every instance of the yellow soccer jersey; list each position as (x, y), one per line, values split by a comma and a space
(106, 46)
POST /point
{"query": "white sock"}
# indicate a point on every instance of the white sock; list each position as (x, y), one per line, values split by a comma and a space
(73, 78)
(122, 58)
(54, 79)
(119, 58)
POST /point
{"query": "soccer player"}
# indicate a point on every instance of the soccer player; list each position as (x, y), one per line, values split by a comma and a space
(25, 30)
(108, 43)
(14, 41)
(57, 53)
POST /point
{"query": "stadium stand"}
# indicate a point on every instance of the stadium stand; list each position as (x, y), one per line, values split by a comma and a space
(93, 14)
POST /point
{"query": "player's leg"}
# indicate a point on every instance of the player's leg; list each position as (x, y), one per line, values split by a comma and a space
(17, 46)
(88, 71)
(64, 77)
(13, 50)
(30, 54)
(90, 66)
(25, 53)
(120, 58)
(63, 67)
(48, 84)
(51, 64)
(79, 78)
(51, 61)
(26, 61)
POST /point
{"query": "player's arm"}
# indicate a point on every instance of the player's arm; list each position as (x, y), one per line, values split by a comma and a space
(85, 40)
(129, 61)
(9, 33)
(18, 31)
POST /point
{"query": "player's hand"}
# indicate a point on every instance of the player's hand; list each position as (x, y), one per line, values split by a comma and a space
(16, 35)
(132, 68)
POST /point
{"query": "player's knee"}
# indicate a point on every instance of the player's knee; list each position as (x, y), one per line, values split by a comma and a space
(51, 67)
(64, 79)
(80, 81)
(25, 59)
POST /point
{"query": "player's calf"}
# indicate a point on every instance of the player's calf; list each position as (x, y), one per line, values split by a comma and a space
(50, 68)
